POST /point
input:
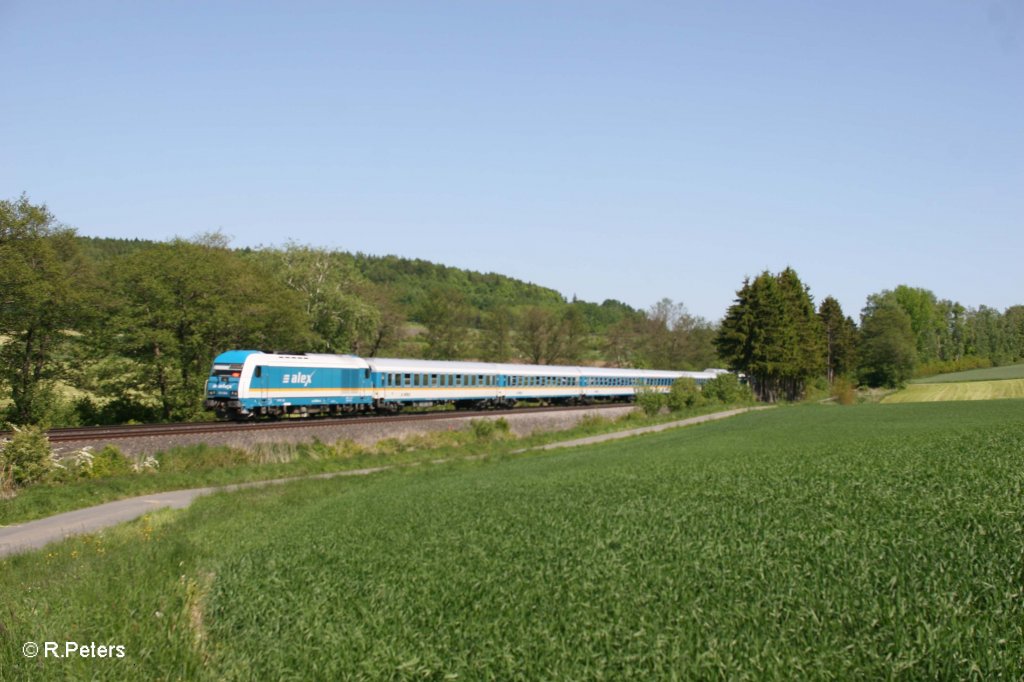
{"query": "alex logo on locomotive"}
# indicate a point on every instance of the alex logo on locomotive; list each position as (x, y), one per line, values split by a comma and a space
(299, 378)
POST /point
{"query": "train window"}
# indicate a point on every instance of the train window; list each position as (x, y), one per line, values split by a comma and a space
(408, 380)
(258, 373)
(433, 380)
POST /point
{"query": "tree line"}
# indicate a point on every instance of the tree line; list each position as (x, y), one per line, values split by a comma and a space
(111, 331)
(773, 333)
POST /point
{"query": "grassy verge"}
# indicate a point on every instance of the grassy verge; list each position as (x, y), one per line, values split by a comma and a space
(817, 542)
(201, 466)
(968, 390)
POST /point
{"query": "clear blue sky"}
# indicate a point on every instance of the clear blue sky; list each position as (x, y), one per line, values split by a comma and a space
(629, 150)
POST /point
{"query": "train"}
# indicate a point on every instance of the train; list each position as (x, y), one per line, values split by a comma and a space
(248, 384)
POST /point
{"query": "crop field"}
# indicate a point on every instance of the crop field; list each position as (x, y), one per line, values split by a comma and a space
(967, 390)
(814, 542)
(986, 374)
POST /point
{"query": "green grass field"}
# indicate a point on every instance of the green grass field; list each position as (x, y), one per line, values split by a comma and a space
(967, 390)
(813, 542)
(986, 374)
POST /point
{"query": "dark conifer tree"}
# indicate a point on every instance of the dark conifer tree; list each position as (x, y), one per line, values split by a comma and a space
(840, 335)
(772, 334)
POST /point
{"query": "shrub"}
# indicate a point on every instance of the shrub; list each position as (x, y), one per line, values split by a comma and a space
(7, 489)
(934, 367)
(684, 394)
(726, 389)
(843, 391)
(26, 457)
(110, 462)
(649, 400)
(489, 429)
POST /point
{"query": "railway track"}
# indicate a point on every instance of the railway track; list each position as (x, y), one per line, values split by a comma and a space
(136, 431)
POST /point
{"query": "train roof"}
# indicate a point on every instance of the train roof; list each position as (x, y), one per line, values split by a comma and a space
(410, 365)
(400, 365)
(313, 360)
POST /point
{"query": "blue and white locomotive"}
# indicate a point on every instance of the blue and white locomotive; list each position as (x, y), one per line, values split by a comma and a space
(249, 383)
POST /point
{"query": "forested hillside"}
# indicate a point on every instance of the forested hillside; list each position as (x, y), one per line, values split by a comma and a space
(107, 330)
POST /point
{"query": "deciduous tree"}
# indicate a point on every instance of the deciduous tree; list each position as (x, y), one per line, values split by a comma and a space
(43, 298)
(178, 304)
(888, 349)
